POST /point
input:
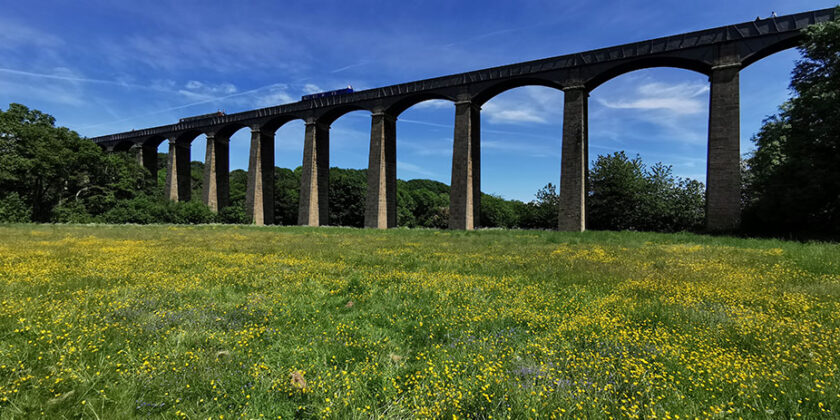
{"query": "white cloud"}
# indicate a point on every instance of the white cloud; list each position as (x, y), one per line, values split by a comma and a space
(276, 95)
(680, 99)
(434, 104)
(197, 90)
(526, 105)
(311, 88)
(500, 116)
(15, 35)
(414, 169)
(220, 48)
(426, 147)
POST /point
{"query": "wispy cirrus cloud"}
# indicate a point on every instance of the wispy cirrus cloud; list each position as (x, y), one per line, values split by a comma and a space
(17, 34)
(526, 105)
(680, 99)
(199, 90)
(414, 169)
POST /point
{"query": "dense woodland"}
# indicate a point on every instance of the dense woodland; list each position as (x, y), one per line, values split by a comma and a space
(791, 183)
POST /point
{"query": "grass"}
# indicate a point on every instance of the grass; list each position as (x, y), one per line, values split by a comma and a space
(227, 321)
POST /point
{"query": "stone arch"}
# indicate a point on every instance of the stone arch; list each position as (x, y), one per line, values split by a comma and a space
(646, 63)
(776, 47)
(153, 141)
(406, 102)
(273, 124)
(337, 112)
(123, 146)
(492, 91)
(228, 130)
(187, 137)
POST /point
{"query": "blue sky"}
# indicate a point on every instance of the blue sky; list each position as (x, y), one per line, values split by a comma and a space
(102, 67)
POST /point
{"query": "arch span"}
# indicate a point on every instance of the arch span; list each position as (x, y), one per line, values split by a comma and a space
(187, 137)
(784, 44)
(274, 124)
(647, 63)
(491, 92)
(403, 104)
(123, 146)
(153, 141)
(228, 130)
(333, 114)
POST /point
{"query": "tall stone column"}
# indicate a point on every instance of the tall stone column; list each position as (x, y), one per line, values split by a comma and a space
(574, 162)
(147, 157)
(381, 204)
(178, 178)
(315, 179)
(723, 165)
(216, 172)
(465, 193)
(259, 198)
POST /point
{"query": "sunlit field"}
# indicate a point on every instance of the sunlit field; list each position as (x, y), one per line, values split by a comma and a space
(246, 322)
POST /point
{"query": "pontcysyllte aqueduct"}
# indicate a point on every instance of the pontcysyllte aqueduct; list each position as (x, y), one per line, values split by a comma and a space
(720, 53)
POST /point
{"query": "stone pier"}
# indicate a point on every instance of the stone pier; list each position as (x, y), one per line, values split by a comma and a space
(381, 204)
(259, 199)
(147, 157)
(216, 190)
(723, 170)
(178, 178)
(315, 179)
(465, 193)
(573, 165)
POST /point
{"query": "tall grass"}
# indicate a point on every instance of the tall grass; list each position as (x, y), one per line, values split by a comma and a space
(234, 321)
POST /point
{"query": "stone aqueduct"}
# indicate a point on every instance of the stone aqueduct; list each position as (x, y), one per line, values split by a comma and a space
(720, 53)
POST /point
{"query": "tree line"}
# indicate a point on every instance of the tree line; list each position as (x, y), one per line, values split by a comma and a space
(50, 174)
(791, 182)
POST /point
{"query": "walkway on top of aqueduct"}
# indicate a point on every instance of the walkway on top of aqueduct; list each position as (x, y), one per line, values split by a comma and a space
(719, 53)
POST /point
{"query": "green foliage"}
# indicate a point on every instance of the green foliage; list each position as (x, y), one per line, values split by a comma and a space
(348, 188)
(140, 210)
(233, 214)
(422, 203)
(13, 209)
(498, 212)
(286, 195)
(793, 183)
(196, 181)
(626, 195)
(56, 173)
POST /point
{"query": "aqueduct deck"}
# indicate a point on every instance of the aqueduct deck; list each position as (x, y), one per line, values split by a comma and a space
(720, 53)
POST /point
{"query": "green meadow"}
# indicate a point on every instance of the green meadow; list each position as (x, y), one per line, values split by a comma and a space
(288, 322)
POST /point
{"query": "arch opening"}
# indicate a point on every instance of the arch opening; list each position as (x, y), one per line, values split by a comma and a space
(349, 150)
(521, 142)
(124, 146)
(424, 145)
(491, 92)
(396, 109)
(661, 116)
(772, 49)
(288, 156)
(644, 64)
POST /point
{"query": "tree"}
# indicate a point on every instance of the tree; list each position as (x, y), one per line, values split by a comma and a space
(498, 212)
(793, 186)
(624, 194)
(348, 191)
(57, 175)
(616, 188)
(286, 195)
(542, 212)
